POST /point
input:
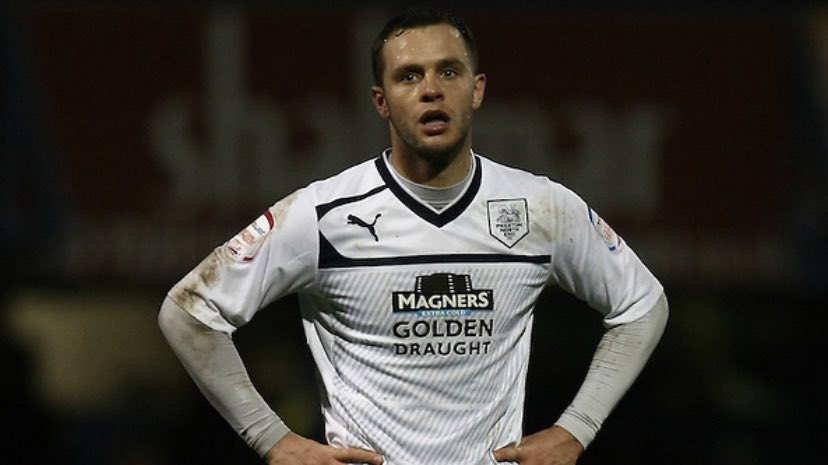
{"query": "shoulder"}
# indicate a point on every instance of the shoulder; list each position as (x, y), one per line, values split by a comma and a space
(501, 174)
(301, 208)
(355, 180)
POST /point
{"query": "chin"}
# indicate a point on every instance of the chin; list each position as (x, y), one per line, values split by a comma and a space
(439, 150)
(435, 153)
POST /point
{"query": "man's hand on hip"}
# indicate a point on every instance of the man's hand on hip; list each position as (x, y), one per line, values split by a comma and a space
(552, 446)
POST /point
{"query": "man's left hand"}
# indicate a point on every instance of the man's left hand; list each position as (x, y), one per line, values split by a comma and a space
(552, 446)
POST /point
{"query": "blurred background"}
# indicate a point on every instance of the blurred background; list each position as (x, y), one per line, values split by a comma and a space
(137, 136)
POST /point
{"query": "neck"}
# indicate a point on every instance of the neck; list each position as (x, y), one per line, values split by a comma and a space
(434, 171)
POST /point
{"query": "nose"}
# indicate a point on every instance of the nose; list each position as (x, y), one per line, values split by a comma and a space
(432, 88)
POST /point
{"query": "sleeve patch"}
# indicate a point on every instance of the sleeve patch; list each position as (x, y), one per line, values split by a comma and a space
(244, 245)
(607, 234)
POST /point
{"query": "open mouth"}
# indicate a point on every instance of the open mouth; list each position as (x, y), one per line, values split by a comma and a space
(434, 121)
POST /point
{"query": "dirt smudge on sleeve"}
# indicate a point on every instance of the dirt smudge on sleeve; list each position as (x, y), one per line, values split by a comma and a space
(281, 208)
(189, 291)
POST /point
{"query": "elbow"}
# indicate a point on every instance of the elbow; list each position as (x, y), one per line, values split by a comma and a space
(167, 317)
(164, 317)
(659, 314)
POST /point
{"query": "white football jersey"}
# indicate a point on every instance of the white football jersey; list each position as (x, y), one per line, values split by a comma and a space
(420, 321)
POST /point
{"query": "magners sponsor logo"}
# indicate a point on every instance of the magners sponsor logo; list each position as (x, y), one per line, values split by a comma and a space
(450, 298)
(443, 294)
(444, 336)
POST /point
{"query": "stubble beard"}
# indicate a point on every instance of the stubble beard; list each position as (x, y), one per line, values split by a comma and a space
(439, 157)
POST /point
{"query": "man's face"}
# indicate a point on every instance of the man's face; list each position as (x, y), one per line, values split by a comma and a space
(429, 91)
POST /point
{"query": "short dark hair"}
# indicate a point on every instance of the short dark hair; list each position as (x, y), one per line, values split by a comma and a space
(414, 18)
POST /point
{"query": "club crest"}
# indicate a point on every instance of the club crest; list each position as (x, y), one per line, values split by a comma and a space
(508, 220)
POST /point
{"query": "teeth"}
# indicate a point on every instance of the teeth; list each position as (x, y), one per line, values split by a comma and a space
(433, 118)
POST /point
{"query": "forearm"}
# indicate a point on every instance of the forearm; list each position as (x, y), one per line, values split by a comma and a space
(212, 360)
(621, 355)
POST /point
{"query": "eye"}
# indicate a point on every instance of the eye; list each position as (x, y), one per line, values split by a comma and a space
(408, 76)
(450, 73)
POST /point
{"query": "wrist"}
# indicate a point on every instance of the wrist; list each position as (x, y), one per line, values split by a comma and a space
(269, 438)
(576, 429)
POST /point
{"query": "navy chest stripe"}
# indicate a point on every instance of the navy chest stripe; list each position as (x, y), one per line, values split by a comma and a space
(330, 258)
(324, 208)
(437, 219)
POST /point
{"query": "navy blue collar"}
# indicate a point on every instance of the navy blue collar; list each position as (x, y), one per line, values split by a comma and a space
(437, 219)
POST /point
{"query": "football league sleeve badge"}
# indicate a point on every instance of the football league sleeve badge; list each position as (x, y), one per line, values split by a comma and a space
(609, 236)
(508, 220)
(244, 245)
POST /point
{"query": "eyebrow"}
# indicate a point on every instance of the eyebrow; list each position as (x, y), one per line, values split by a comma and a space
(451, 62)
(442, 63)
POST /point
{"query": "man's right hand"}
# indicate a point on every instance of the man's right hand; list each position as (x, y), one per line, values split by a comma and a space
(297, 450)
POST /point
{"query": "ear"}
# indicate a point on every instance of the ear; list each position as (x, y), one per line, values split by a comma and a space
(378, 97)
(479, 90)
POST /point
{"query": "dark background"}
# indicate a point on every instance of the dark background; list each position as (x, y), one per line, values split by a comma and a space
(137, 136)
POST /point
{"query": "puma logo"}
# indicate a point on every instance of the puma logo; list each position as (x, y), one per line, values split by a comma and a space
(361, 223)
